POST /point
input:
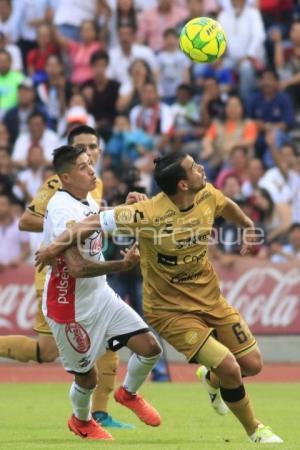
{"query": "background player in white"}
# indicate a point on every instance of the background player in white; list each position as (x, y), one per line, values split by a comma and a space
(85, 315)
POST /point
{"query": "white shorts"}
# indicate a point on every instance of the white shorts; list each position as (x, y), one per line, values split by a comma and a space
(81, 343)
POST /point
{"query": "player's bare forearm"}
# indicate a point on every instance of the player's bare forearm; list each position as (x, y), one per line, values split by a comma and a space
(233, 213)
(78, 232)
(78, 267)
(31, 222)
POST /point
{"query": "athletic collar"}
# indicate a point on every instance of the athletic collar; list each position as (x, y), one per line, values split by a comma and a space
(83, 201)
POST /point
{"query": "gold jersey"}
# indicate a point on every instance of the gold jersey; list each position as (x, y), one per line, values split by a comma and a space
(39, 204)
(173, 245)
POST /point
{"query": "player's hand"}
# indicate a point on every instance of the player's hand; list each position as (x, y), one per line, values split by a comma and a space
(250, 240)
(131, 256)
(134, 197)
(43, 258)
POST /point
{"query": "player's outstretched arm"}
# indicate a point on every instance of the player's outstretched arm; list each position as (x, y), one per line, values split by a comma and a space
(78, 232)
(31, 222)
(233, 213)
(78, 267)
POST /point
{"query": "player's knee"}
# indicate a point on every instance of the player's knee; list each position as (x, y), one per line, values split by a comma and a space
(88, 380)
(229, 372)
(153, 349)
(47, 354)
(254, 365)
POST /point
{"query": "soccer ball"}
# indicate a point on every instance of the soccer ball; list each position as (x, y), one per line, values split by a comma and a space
(203, 40)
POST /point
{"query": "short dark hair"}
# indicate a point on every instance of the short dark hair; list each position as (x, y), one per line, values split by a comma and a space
(294, 226)
(64, 157)
(37, 114)
(170, 32)
(269, 70)
(97, 56)
(168, 171)
(81, 129)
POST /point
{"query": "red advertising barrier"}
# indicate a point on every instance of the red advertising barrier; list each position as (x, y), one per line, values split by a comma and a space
(17, 301)
(268, 296)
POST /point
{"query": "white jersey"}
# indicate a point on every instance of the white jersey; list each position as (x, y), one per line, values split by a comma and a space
(66, 299)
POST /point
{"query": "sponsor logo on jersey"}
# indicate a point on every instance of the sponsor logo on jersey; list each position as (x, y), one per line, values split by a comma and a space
(184, 277)
(62, 286)
(169, 213)
(203, 197)
(194, 259)
(166, 260)
(191, 241)
(95, 244)
(77, 337)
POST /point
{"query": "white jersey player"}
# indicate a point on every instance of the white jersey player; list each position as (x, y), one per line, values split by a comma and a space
(85, 315)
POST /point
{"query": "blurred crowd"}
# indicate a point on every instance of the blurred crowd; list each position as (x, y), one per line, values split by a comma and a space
(115, 65)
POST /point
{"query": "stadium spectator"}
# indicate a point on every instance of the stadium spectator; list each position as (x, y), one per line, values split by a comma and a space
(9, 20)
(245, 53)
(75, 114)
(110, 21)
(275, 217)
(238, 164)
(4, 137)
(130, 95)
(122, 56)
(16, 119)
(289, 252)
(37, 57)
(272, 110)
(80, 53)
(153, 22)
(69, 16)
(9, 82)
(195, 8)
(54, 92)
(287, 62)
(154, 117)
(255, 173)
(173, 67)
(283, 180)
(14, 249)
(37, 134)
(101, 94)
(31, 16)
(275, 180)
(222, 136)
(126, 146)
(14, 51)
(213, 102)
(187, 130)
(32, 176)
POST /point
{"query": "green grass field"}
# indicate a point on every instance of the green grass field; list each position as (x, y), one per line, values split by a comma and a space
(33, 416)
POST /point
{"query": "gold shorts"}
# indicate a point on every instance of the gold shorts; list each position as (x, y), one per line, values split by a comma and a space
(188, 332)
(40, 324)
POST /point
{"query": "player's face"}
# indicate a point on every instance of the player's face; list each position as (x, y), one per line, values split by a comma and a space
(90, 144)
(83, 174)
(196, 178)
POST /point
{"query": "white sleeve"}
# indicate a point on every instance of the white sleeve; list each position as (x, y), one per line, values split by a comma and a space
(107, 220)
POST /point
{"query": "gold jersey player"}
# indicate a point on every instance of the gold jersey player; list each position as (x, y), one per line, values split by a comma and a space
(182, 298)
(23, 348)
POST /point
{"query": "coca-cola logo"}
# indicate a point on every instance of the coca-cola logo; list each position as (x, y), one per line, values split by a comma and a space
(18, 307)
(266, 297)
(77, 337)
